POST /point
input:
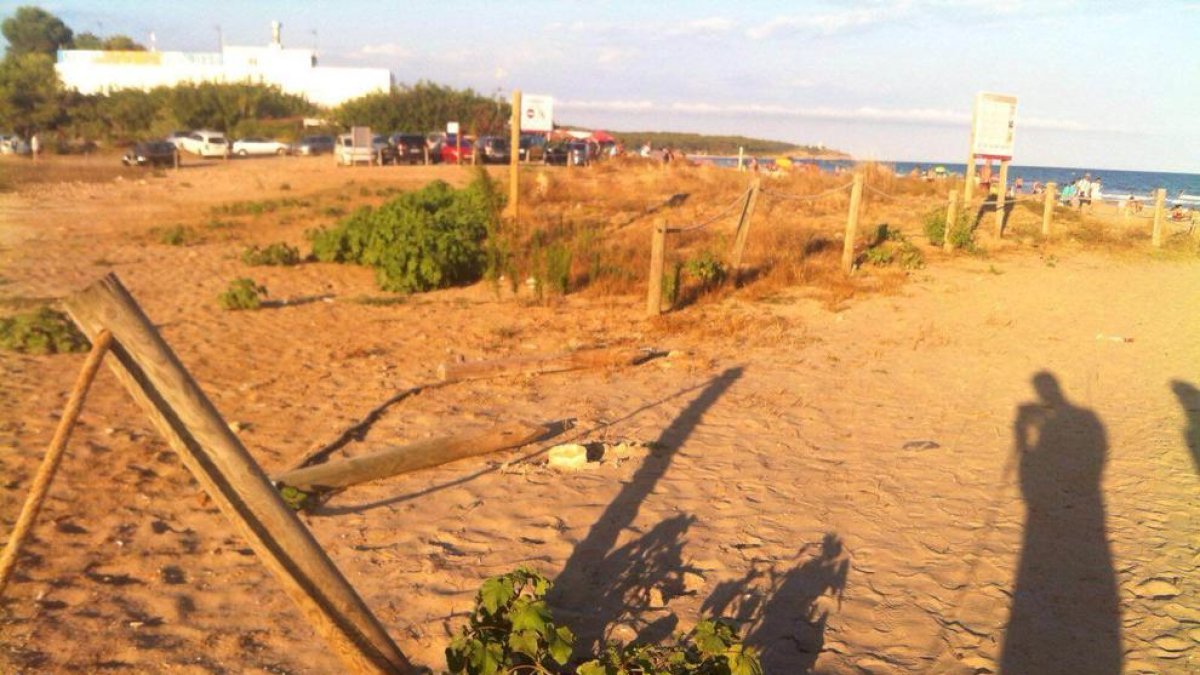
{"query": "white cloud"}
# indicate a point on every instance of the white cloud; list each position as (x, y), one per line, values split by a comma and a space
(921, 116)
(714, 25)
(388, 49)
(607, 56)
(829, 23)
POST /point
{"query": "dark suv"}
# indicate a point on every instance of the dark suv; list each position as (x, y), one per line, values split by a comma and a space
(493, 150)
(150, 153)
(410, 148)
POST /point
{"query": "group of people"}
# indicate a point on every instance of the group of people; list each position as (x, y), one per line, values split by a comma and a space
(1081, 192)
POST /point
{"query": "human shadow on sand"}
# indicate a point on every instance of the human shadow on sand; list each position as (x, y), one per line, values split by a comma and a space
(1065, 615)
(1189, 400)
(603, 585)
(786, 612)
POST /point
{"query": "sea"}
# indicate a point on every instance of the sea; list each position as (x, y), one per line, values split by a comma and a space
(1182, 188)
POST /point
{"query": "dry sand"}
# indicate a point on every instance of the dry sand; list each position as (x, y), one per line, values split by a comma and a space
(843, 481)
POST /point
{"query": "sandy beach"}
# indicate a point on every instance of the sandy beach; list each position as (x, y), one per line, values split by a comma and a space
(982, 465)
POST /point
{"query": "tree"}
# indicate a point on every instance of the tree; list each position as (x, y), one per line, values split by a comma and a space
(425, 106)
(29, 92)
(33, 30)
(118, 43)
(87, 40)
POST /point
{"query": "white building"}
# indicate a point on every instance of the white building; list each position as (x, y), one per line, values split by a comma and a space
(295, 71)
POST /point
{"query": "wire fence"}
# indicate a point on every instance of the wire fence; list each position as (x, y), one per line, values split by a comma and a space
(787, 196)
(714, 218)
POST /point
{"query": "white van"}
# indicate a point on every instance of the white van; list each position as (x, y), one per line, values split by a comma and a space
(205, 144)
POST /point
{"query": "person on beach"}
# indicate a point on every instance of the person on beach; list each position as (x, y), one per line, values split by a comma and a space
(1067, 197)
(1083, 192)
(1095, 195)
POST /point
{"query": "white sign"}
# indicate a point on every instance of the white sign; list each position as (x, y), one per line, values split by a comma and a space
(537, 113)
(993, 124)
(452, 128)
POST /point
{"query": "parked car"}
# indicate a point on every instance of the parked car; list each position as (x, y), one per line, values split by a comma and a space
(493, 150)
(257, 145)
(381, 152)
(532, 147)
(176, 138)
(13, 145)
(313, 145)
(151, 153)
(205, 143)
(575, 152)
(448, 153)
(410, 148)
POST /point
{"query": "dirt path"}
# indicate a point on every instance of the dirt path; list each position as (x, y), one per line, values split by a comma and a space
(844, 482)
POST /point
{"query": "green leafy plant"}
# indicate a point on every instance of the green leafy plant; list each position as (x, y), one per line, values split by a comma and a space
(671, 283)
(707, 269)
(44, 331)
(890, 246)
(242, 294)
(178, 235)
(713, 647)
(511, 630)
(278, 253)
(431, 238)
(961, 235)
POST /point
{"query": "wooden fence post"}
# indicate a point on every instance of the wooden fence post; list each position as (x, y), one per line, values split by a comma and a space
(658, 254)
(1160, 197)
(514, 160)
(49, 467)
(951, 222)
(743, 229)
(1002, 198)
(969, 177)
(1048, 208)
(852, 223)
(180, 411)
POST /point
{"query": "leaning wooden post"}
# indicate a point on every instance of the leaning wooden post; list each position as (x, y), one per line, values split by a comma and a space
(951, 222)
(231, 478)
(1048, 208)
(49, 467)
(514, 150)
(743, 229)
(658, 254)
(1160, 197)
(1002, 198)
(852, 224)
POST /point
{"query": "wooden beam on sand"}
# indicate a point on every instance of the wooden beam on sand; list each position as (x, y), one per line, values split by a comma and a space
(191, 424)
(407, 458)
(538, 365)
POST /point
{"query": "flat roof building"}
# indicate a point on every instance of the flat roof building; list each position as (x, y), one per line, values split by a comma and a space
(295, 71)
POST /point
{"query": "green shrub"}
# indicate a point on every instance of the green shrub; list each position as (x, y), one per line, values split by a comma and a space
(512, 631)
(713, 647)
(708, 270)
(431, 238)
(960, 235)
(889, 245)
(44, 331)
(242, 294)
(671, 283)
(279, 254)
(178, 235)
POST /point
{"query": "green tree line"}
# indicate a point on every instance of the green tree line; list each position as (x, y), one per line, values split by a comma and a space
(716, 145)
(33, 98)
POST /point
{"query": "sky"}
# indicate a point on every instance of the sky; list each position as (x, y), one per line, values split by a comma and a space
(1103, 85)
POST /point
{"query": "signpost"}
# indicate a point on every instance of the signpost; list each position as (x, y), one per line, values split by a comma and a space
(992, 127)
(452, 129)
(532, 112)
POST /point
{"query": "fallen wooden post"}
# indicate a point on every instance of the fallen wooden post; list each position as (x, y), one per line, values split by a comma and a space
(180, 411)
(49, 467)
(537, 365)
(343, 473)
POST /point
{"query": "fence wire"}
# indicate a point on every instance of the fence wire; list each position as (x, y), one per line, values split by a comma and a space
(794, 197)
(719, 215)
